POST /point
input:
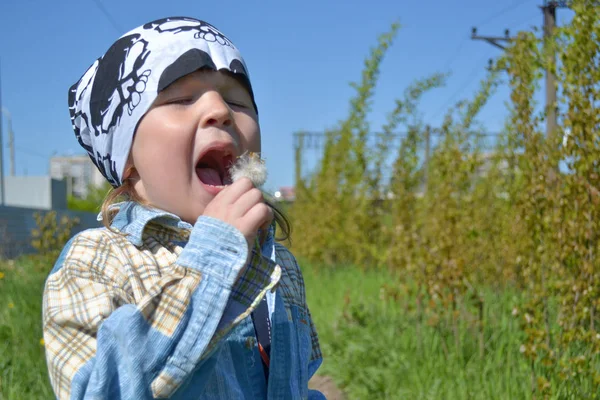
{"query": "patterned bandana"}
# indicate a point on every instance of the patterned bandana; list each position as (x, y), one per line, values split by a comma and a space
(110, 99)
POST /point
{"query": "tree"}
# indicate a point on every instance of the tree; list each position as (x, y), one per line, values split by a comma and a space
(92, 202)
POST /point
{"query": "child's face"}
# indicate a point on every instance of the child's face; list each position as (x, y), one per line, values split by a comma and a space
(182, 147)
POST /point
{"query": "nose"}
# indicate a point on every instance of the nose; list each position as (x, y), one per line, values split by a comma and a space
(216, 111)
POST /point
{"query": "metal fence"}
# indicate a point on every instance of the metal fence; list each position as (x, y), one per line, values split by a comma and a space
(16, 224)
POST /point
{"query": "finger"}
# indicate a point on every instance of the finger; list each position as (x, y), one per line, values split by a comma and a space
(257, 216)
(268, 223)
(247, 201)
(233, 192)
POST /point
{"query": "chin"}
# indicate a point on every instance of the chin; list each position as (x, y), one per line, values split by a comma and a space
(193, 219)
(190, 216)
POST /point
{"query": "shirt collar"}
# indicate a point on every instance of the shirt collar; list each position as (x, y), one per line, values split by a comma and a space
(132, 219)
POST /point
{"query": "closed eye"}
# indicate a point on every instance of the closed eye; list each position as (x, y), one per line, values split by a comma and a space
(237, 104)
(181, 101)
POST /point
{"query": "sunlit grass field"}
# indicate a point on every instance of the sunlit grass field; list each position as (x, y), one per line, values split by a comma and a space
(373, 348)
(23, 373)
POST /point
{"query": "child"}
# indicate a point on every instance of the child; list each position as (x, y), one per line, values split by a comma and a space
(169, 300)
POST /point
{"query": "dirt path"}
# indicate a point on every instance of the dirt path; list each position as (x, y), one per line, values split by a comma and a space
(326, 386)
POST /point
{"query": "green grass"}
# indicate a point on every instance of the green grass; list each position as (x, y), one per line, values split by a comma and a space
(374, 349)
(23, 372)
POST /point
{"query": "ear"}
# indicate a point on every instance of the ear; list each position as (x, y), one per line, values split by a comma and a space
(130, 172)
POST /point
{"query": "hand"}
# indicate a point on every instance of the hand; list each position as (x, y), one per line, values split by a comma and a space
(243, 206)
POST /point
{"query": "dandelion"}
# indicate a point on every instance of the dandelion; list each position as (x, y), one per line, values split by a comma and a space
(249, 165)
(11, 305)
(1, 275)
(42, 342)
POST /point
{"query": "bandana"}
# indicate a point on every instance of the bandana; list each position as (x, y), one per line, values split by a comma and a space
(113, 95)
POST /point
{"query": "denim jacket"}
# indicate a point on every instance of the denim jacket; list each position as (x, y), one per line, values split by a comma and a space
(162, 309)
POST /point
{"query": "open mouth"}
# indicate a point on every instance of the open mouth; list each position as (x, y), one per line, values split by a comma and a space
(213, 167)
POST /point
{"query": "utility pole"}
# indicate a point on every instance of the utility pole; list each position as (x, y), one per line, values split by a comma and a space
(2, 186)
(11, 139)
(298, 147)
(11, 145)
(549, 12)
(493, 40)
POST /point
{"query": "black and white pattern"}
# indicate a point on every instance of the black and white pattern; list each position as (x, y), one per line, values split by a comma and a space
(201, 29)
(116, 91)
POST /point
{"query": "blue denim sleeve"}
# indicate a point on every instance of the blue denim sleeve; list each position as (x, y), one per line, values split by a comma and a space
(130, 356)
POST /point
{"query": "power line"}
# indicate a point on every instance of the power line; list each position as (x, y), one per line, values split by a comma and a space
(2, 186)
(108, 16)
(471, 77)
(503, 11)
(455, 54)
(490, 18)
(549, 12)
(517, 26)
(497, 40)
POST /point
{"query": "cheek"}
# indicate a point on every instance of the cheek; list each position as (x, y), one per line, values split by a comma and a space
(159, 152)
(250, 131)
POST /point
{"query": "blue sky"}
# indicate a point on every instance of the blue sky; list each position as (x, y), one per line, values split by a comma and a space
(301, 56)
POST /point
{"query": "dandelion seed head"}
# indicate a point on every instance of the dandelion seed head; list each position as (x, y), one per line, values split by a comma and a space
(249, 165)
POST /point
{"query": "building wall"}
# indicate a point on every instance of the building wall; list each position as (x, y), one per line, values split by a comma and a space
(40, 192)
(16, 224)
(59, 194)
(26, 195)
(78, 171)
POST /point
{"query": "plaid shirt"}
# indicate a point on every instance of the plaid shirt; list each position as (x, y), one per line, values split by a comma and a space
(161, 309)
